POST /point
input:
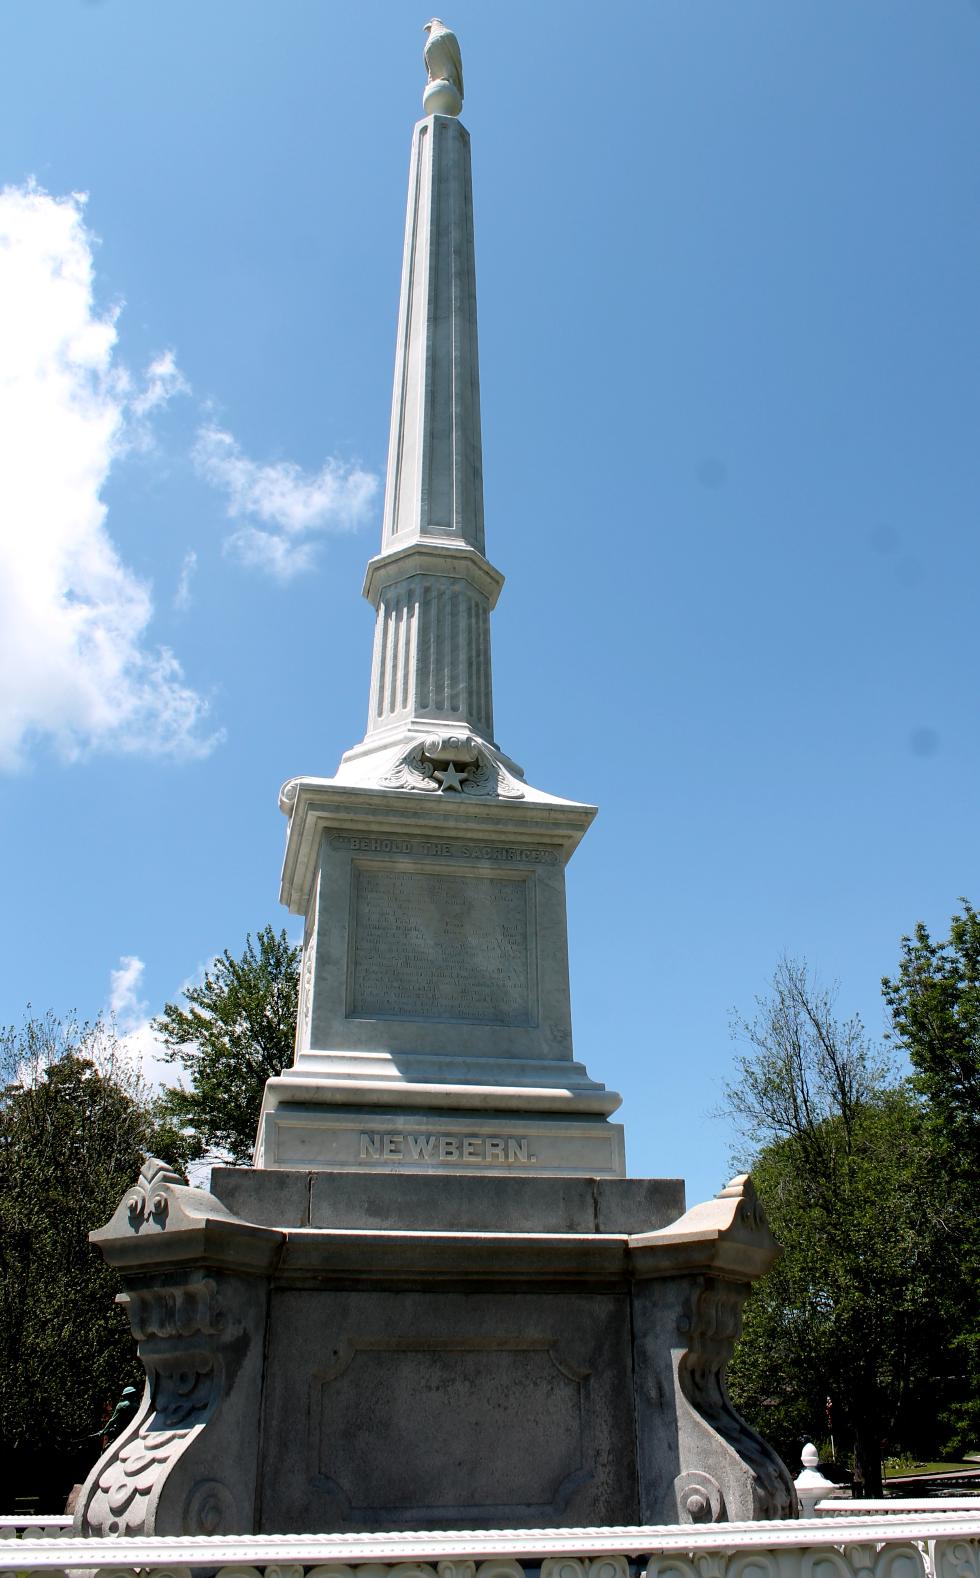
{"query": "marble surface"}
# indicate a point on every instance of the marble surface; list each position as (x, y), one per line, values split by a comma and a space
(345, 1373)
(316, 1135)
(474, 1204)
(435, 1027)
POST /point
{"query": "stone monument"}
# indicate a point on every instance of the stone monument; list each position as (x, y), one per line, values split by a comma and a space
(435, 1301)
(434, 1027)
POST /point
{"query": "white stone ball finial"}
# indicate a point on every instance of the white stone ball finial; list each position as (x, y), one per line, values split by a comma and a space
(812, 1486)
(444, 90)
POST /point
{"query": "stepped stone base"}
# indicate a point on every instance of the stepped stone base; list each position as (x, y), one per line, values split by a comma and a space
(328, 1351)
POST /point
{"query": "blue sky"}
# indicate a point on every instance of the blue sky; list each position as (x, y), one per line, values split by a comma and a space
(728, 261)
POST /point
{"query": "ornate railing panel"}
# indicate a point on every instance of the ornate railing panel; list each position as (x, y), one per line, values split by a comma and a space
(893, 1544)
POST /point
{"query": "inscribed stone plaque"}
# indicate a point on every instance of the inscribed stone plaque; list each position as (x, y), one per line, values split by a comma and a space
(417, 1429)
(440, 945)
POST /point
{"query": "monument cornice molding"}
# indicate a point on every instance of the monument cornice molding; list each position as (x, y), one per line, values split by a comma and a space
(162, 1222)
(726, 1239)
(432, 556)
(573, 1095)
(502, 1257)
(320, 805)
(728, 1236)
(396, 1257)
(400, 1257)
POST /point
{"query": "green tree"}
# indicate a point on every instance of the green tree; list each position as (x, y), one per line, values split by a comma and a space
(75, 1123)
(238, 1030)
(856, 1311)
(934, 1002)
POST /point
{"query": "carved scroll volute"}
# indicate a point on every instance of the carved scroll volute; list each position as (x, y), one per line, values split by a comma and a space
(708, 1260)
(198, 1325)
(177, 1328)
(746, 1478)
(956, 1558)
(699, 1498)
(148, 1203)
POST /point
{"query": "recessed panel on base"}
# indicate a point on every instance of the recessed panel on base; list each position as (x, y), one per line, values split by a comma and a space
(446, 945)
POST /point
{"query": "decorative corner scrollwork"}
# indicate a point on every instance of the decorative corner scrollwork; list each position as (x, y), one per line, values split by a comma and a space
(699, 1498)
(711, 1323)
(609, 1567)
(580, 1567)
(497, 1567)
(453, 763)
(211, 1509)
(460, 1569)
(168, 1311)
(956, 1559)
(178, 1327)
(148, 1202)
(184, 1390)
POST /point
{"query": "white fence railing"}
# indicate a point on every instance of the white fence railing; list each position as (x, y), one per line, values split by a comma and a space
(34, 1528)
(896, 1505)
(895, 1544)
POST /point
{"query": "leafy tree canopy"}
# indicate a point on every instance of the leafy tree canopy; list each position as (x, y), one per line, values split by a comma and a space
(935, 1010)
(860, 1309)
(237, 1031)
(935, 1007)
(75, 1123)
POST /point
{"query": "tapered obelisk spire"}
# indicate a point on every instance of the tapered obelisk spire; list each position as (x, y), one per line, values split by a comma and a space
(434, 1027)
(431, 585)
(435, 458)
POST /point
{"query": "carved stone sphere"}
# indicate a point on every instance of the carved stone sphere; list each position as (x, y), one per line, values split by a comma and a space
(441, 98)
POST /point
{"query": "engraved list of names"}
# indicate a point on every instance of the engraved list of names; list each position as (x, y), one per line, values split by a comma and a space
(434, 945)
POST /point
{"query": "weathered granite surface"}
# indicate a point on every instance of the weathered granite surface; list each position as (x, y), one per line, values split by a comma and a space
(340, 1353)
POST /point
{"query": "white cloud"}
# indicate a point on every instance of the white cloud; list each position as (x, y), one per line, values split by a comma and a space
(131, 1016)
(124, 1000)
(291, 504)
(279, 556)
(182, 596)
(75, 667)
(141, 1045)
(163, 380)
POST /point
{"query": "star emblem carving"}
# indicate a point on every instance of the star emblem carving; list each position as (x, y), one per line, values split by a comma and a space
(450, 778)
(452, 762)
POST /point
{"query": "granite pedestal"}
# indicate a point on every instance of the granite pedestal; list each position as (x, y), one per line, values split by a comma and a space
(331, 1352)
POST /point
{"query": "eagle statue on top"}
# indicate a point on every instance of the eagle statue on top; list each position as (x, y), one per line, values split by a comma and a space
(444, 64)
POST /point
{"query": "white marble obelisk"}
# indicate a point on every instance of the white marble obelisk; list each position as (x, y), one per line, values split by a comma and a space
(434, 1028)
(330, 1353)
(431, 585)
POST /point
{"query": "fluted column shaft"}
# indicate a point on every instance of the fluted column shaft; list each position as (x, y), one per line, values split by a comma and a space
(431, 586)
(432, 655)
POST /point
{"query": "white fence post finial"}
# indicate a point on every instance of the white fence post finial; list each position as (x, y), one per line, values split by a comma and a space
(811, 1485)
